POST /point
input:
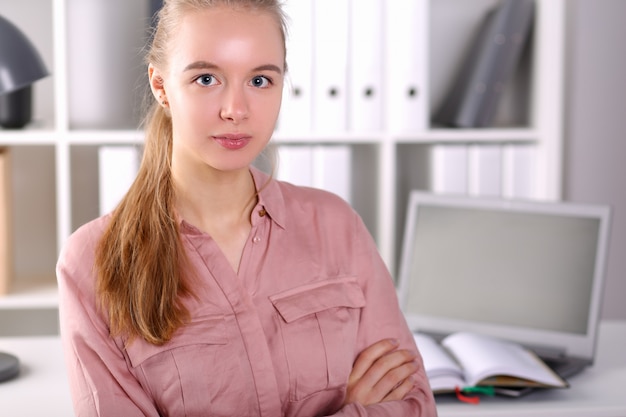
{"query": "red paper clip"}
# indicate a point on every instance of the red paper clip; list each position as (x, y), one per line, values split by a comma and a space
(465, 398)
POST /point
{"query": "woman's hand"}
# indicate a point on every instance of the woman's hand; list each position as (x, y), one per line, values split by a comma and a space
(380, 373)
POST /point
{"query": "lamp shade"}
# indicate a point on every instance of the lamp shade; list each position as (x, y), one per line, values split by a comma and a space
(20, 63)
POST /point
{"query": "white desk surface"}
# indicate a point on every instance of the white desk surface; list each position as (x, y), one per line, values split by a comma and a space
(599, 391)
(41, 389)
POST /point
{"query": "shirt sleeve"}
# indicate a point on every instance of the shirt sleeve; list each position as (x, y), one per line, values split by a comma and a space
(382, 318)
(101, 383)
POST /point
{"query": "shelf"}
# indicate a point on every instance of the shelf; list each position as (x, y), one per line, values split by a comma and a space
(327, 137)
(36, 133)
(496, 135)
(135, 137)
(38, 293)
(132, 137)
(105, 137)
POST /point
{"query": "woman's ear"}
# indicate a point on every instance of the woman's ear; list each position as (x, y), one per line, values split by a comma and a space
(157, 85)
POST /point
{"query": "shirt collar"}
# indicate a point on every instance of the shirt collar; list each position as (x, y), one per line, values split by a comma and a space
(270, 196)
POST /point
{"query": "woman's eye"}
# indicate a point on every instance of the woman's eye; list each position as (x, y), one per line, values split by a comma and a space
(206, 79)
(261, 81)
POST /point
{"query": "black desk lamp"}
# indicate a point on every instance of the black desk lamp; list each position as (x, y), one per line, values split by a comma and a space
(20, 67)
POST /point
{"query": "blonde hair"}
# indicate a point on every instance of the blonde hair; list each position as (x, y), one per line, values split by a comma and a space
(140, 258)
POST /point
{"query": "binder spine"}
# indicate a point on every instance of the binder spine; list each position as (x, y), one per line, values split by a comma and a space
(489, 65)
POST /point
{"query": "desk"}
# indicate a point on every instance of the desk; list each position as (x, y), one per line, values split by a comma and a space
(600, 391)
(41, 388)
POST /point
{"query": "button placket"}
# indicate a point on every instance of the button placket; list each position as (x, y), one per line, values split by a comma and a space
(256, 238)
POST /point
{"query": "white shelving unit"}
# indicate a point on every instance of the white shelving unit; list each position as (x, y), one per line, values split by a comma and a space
(55, 174)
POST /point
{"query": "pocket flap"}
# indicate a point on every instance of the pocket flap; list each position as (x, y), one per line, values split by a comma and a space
(201, 331)
(312, 298)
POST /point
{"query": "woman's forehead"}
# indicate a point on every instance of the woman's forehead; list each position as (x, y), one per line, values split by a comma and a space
(224, 33)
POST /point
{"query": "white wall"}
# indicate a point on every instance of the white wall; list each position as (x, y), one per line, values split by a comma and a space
(595, 155)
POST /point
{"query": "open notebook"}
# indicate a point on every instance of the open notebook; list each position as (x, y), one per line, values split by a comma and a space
(526, 271)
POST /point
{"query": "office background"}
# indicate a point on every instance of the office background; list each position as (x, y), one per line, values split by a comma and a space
(594, 130)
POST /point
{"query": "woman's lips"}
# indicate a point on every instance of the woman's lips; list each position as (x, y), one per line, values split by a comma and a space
(232, 141)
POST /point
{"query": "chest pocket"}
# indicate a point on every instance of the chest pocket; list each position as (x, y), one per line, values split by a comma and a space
(319, 324)
(182, 367)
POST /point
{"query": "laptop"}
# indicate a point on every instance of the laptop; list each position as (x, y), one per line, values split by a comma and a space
(526, 271)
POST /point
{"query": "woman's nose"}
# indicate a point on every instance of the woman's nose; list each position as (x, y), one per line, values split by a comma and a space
(234, 105)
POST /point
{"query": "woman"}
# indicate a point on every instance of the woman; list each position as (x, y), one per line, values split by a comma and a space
(213, 289)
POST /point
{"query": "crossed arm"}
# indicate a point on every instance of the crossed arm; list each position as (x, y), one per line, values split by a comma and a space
(381, 372)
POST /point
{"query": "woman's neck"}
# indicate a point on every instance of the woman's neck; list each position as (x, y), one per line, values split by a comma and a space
(216, 200)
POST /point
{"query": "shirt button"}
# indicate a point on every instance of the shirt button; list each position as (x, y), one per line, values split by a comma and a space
(262, 212)
(256, 239)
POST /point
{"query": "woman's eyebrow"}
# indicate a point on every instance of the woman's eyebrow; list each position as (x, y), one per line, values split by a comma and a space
(200, 65)
(211, 66)
(268, 67)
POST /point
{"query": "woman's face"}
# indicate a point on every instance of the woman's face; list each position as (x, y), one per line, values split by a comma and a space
(223, 87)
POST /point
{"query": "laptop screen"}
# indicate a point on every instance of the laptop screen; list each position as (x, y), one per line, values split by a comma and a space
(527, 271)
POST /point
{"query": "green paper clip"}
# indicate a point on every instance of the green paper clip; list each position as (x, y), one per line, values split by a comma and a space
(487, 390)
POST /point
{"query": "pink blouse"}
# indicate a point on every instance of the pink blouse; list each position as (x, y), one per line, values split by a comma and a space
(276, 339)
